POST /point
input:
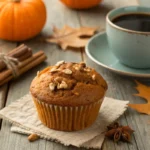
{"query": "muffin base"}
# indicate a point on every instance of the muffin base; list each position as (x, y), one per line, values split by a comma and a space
(67, 118)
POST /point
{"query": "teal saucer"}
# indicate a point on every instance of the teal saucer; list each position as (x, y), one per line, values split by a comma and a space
(98, 50)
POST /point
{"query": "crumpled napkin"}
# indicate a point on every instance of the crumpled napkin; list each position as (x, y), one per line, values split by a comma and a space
(22, 114)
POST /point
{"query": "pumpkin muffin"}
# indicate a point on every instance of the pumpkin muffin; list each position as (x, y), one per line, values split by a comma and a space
(68, 95)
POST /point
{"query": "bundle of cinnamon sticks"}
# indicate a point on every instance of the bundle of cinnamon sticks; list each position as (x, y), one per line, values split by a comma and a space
(26, 58)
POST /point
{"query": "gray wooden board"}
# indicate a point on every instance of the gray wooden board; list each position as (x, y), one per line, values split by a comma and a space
(119, 87)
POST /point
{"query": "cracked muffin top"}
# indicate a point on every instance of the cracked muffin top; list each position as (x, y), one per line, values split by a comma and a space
(68, 84)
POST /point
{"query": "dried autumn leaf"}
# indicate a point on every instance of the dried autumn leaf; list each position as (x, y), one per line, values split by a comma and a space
(144, 92)
(71, 37)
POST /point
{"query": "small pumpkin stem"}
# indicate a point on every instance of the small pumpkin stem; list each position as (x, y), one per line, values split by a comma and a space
(14, 0)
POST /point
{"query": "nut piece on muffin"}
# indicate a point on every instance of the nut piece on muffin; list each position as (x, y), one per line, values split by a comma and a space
(68, 96)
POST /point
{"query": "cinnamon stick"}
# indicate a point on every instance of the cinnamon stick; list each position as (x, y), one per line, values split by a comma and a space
(8, 72)
(18, 51)
(21, 53)
(25, 56)
(32, 64)
(26, 65)
(6, 80)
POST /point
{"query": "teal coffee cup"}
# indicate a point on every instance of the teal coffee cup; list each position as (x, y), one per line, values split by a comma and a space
(131, 46)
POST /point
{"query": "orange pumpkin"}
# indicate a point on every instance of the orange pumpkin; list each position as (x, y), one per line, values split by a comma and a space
(81, 4)
(21, 19)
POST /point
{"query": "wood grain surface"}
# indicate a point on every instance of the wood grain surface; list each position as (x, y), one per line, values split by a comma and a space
(120, 87)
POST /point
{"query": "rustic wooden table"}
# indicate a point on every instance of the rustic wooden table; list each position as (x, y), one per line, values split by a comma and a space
(119, 86)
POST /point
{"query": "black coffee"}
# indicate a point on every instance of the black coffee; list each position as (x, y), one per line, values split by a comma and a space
(136, 22)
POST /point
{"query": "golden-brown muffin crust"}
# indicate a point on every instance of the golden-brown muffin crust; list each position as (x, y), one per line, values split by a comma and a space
(68, 84)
